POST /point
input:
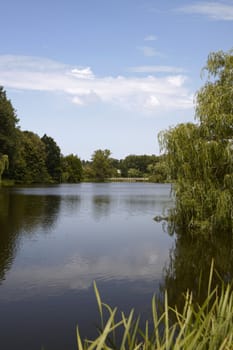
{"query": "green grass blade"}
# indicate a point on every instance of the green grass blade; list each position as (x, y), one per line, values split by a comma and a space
(99, 303)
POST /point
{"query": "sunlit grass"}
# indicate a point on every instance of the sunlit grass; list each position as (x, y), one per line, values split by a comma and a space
(207, 326)
(7, 183)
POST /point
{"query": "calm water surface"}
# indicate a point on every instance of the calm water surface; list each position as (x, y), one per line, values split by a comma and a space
(55, 241)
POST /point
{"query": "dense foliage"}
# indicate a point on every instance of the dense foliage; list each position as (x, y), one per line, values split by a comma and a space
(200, 156)
(71, 169)
(4, 163)
(137, 165)
(102, 166)
(8, 129)
(30, 165)
(52, 158)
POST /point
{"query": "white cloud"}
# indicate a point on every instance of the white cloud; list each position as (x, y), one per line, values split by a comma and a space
(82, 73)
(78, 101)
(149, 51)
(82, 87)
(152, 102)
(79, 272)
(150, 38)
(176, 81)
(214, 10)
(156, 69)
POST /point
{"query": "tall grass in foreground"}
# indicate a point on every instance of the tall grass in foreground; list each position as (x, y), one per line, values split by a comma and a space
(207, 326)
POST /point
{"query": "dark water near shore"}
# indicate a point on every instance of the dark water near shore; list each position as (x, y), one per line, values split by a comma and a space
(55, 241)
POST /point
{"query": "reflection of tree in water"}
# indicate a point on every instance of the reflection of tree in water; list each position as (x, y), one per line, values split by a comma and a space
(72, 203)
(140, 203)
(22, 214)
(101, 205)
(189, 266)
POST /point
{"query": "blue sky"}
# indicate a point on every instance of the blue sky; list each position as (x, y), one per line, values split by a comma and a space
(97, 74)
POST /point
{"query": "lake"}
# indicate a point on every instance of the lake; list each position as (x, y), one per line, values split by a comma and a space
(56, 240)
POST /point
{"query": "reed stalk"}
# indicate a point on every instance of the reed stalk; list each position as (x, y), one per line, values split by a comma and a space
(195, 327)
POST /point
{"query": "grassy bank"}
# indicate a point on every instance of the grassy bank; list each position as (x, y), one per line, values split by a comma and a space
(207, 326)
(7, 183)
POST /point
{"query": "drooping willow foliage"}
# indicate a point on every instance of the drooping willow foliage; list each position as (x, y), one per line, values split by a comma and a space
(200, 156)
(4, 163)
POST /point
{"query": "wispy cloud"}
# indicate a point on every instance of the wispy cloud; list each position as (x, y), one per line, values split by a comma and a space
(156, 69)
(83, 87)
(214, 10)
(150, 38)
(79, 271)
(149, 51)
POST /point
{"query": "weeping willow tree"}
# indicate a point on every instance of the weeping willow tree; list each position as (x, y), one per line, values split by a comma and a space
(200, 156)
(3, 164)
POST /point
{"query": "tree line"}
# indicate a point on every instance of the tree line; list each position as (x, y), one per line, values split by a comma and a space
(102, 166)
(27, 158)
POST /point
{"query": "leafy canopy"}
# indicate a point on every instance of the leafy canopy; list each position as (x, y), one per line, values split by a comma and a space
(30, 166)
(4, 163)
(8, 129)
(101, 165)
(200, 156)
(71, 169)
(53, 158)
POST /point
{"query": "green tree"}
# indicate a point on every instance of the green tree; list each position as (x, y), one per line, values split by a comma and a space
(158, 171)
(30, 165)
(138, 162)
(200, 156)
(102, 167)
(4, 163)
(71, 169)
(8, 129)
(53, 158)
(115, 164)
(132, 172)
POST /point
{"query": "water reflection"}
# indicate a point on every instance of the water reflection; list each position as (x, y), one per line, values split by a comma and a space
(56, 240)
(189, 266)
(72, 203)
(108, 242)
(19, 215)
(102, 205)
